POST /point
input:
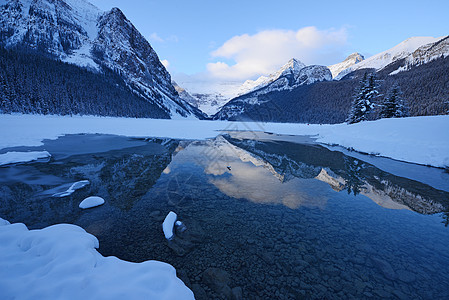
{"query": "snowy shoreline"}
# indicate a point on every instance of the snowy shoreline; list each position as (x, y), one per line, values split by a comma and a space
(420, 140)
(61, 262)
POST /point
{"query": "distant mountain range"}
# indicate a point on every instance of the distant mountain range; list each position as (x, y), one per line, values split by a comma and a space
(319, 94)
(76, 32)
(48, 46)
(351, 60)
(230, 104)
(415, 47)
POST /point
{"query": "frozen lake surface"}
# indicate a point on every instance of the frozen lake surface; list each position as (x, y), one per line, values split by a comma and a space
(264, 218)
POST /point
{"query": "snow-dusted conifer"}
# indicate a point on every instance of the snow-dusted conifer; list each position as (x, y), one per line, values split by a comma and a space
(394, 106)
(363, 101)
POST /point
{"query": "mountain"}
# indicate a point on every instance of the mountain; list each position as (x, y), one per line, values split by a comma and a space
(293, 66)
(184, 95)
(77, 32)
(210, 97)
(207, 95)
(348, 62)
(292, 75)
(32, 83)
(421, 69)
(385, 58)
(424, 54)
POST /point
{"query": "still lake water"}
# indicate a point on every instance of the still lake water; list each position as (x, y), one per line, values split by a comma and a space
(265, 219)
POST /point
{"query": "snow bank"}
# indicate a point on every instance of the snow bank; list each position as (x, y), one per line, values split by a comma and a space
(168, 225)
(423, 140)
(91, 201)
(75, 186)
(20, 157)
(60, 262)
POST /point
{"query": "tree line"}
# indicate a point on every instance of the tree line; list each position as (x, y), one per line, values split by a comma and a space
(33, 83)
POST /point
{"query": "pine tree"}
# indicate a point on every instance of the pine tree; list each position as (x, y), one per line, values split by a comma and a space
(5, 102)
(394, 106)
(363, 102)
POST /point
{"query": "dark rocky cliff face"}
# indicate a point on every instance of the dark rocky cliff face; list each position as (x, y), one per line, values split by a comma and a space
(121, 47)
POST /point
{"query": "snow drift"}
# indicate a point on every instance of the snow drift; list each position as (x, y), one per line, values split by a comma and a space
(60, 262)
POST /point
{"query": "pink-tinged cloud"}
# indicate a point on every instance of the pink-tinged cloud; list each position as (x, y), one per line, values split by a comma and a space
(265, 51)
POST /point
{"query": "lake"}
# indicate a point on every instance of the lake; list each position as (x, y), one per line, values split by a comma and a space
(265, 217)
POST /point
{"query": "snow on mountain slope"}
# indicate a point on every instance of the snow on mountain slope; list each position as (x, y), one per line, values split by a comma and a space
(292, 66)
(348, 62)
(183, 94)
(77, 32)
(288, 79)
(430, 52)
(64, 29)
(425, 54)
(383, 59)
(208, 96)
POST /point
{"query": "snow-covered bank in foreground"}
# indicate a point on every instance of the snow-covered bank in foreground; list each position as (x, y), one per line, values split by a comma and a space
(423, 140)
(60, 262)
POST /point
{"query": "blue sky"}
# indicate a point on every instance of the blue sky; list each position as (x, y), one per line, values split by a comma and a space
(239, 38)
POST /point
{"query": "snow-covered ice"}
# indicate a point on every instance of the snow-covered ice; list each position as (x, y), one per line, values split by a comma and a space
(75, 186)
(14, 157)
(91, 201)
(422, 140)
(168, 225)
(61, 262)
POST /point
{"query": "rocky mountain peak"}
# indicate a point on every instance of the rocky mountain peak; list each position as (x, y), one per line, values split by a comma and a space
(355, 57)
(401, 51)
(293, 66)
(351, 60)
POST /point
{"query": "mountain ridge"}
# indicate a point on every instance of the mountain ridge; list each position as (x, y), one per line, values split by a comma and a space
(351, 60)
(77, 32)
(288, 77)
(387, 57)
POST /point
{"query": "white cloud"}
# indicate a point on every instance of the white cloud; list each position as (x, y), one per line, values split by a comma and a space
(154, 37)
(166, 63)
(265, 51)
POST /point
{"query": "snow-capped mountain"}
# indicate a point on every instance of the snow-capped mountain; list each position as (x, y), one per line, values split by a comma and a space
(77, 32)
(429, 52)
(290, 76)
(385, 58)
(208, 95)
(348, 62)
(293, 66)
(183, 94)
(425, 54)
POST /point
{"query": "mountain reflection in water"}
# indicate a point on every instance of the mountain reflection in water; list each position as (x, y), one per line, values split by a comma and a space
(293, 174)
(283, 220)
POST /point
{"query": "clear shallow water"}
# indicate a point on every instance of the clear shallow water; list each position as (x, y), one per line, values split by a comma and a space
(279, 224)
